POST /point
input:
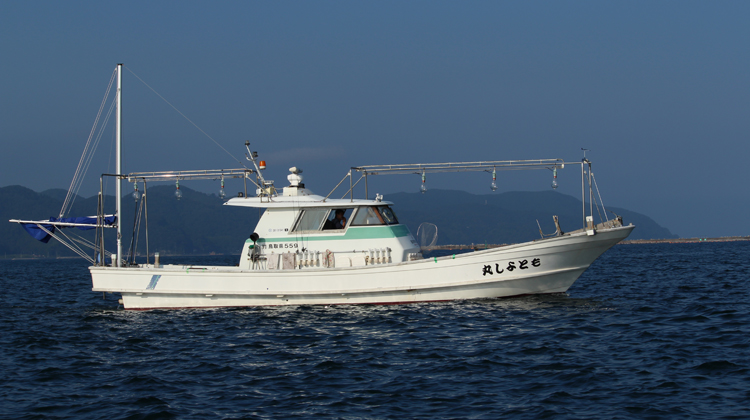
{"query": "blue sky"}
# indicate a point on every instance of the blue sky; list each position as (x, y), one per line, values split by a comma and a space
(659, 91)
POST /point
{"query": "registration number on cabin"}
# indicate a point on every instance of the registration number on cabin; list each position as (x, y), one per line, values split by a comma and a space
(284, 245)
(499, 268)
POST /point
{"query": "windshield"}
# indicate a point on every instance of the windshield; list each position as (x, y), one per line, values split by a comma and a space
(389, 217)
(374, 215)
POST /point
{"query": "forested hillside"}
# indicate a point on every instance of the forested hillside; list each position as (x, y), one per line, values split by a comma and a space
(200, 224)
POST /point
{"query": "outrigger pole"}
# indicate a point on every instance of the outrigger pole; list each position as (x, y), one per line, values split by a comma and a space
(423, 168)
(484, 166)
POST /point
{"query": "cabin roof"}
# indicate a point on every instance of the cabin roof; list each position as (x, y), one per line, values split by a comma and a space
(300, 201)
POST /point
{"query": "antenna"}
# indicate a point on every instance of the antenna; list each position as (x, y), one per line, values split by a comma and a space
(251, 157)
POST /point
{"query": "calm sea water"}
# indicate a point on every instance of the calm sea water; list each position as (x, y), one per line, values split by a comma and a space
(649, 331)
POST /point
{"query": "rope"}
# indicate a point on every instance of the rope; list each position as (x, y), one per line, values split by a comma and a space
(188, 119)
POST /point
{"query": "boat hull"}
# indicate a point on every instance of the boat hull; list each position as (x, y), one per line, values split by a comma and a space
(544, 266)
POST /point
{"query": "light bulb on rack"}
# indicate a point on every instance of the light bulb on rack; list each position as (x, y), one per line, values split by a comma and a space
(136, 193)
(177, 192)
(554, 179)
(222, 193)
(493, 186)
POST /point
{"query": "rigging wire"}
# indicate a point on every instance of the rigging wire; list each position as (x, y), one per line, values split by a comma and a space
(188, 119)
(73, 247)
(90, 157)
(112, 144)
(136, 231)
(78, 177)
(70, 246)
(600, 199)
(83, 241)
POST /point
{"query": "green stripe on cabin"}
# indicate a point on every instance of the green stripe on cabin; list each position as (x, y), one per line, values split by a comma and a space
(355, 232)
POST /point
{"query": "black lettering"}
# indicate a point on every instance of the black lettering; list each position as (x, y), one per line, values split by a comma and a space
(536, 262)
(511, 266)
(498, 269)
(523, 265)
(487, 270)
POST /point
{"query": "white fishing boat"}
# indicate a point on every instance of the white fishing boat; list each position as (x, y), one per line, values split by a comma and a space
(313, 249)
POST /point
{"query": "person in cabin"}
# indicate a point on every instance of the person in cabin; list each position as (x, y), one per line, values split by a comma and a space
(339, 221)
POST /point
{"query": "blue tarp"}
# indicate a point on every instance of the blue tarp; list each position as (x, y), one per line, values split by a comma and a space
(43, 236)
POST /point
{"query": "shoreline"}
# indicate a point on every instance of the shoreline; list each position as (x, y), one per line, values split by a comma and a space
(685, 240)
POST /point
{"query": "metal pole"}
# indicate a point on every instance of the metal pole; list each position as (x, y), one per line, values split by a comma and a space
(591, 196)
(100, 222)
(583, 194)
(145, 205)
(118, 160)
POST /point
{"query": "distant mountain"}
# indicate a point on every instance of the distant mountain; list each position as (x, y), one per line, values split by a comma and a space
(200, 224)
(197, 224)
(19, 202)
(58, 194)
(511, 217)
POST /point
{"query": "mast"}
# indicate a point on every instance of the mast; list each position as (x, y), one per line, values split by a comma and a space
(118, 160)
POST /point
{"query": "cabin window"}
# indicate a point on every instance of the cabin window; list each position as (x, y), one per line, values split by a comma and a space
(374, 215)
(367, 216)
(337, 219)
(389, 217)
(323, 219)
(312, 219)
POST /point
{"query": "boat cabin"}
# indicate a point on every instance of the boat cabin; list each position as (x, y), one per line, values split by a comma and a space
(302, 230)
